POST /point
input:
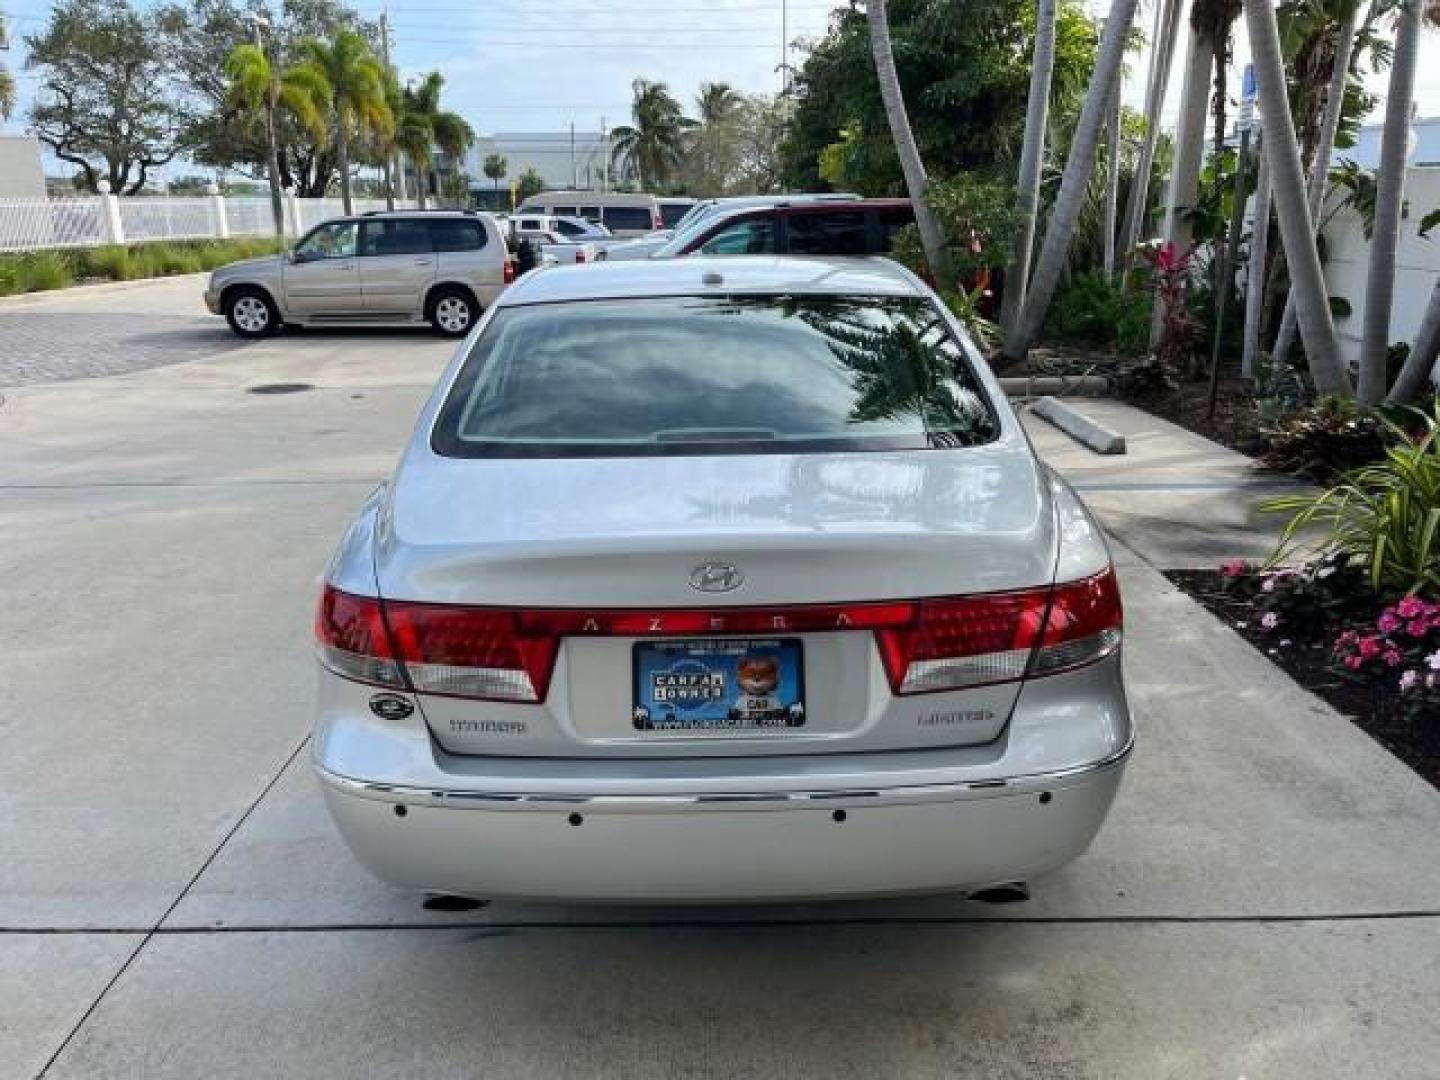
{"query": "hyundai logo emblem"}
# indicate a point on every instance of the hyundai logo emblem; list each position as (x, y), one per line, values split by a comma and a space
(716, 577)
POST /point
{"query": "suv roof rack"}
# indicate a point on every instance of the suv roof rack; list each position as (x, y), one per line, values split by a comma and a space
(468, 210)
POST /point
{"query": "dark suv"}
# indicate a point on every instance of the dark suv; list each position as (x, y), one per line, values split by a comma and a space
(854, 227)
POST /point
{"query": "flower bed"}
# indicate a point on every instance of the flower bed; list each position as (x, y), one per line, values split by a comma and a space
(1377, 662)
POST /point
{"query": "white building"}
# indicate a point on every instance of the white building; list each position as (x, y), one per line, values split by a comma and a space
(562, 158)
(21, 175)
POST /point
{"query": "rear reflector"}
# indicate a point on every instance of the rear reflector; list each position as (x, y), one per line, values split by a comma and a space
(925, 645)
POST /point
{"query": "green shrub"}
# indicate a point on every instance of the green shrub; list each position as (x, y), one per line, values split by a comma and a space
(39, 270)
(1093, 309)
(1385, 516)
(110, 263)
(43, 270)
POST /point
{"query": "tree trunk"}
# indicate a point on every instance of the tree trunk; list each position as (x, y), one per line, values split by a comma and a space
(420, 185)
(1320, 166)
(1297, 229)
(1190, 134)
(342, 152)
(1078, 168)
(389, 184)
(277, 209)
(1112, 178)
(1032, 155)
(1137, 206)
(916, 182)
(1420, 368)
(1389, 191)
(1255, 266)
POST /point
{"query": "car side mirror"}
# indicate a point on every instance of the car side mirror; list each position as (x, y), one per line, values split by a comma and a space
(297, 256)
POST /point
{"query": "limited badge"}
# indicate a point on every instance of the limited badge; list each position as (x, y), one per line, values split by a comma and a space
(391, 706)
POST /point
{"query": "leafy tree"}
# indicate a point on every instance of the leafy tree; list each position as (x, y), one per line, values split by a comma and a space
(423, 126)
(356, 81)
(495, 166)
(530, 183)
(964, 69)
(651, 148)
(199, 36)
(105, 101)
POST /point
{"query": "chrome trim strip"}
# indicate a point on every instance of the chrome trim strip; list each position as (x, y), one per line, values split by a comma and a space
(946, 792)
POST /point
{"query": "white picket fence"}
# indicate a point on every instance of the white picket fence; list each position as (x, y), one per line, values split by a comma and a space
(91, 221)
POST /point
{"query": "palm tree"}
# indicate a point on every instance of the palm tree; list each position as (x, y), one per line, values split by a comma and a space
(1255, 267)
(7, 80)
(1287, 179)
(259, 91)
(1079, 166)
(719, 104)
(1112, 179)
(1032, 153)
(1324, 147)
(495, 166)
(357, 94)
(1137, 204)
(651, 148)
(423, 126)
(1390, 189)
(932, 240)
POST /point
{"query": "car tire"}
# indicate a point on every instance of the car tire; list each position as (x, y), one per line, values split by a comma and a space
(251, 313)
(453, 311)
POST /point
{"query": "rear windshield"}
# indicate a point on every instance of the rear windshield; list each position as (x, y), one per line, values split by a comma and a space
(671, 213)
(707, 375)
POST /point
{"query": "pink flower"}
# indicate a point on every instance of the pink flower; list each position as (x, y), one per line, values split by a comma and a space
(1410, 606)
(1349, 637)
(1369, 647)
(1233, 569)
(1387, 623)
(1393, 658)
(1417, 628)
(1268, 585)
(1353, 663)
(1269, 620)
(1408, 680)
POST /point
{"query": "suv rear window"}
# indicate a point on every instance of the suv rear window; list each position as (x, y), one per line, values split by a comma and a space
(832, 232)
(714, 375)
(672, 212)
(449, 234)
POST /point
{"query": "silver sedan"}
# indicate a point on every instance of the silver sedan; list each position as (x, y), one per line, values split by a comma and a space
(719, 579)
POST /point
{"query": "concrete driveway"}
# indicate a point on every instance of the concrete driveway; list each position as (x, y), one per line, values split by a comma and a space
(1265, 901)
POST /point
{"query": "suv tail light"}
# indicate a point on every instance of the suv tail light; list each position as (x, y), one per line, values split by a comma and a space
(509, 272)
(499, 654)
(580, 256)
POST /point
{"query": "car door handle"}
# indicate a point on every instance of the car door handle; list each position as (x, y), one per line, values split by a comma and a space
(423, 262)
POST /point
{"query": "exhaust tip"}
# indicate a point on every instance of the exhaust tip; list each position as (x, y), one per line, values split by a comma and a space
(1010, 892)
(450, 902)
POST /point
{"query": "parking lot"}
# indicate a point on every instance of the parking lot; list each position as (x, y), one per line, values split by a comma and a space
(1264, 901)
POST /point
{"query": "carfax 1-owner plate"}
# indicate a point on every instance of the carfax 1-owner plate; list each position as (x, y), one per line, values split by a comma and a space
(730, 684)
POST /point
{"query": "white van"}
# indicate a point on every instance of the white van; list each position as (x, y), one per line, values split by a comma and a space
(623, 213)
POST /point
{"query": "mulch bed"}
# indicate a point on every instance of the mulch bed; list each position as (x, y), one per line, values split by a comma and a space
(1373, 710)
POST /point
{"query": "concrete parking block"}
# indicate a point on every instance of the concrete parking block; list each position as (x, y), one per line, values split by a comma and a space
(912, 1003)
(47, 982)
(1084, 429)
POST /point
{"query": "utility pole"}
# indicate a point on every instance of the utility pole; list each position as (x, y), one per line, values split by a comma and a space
(604, 156)
(390, 166)
(574, 180)
(273, 154)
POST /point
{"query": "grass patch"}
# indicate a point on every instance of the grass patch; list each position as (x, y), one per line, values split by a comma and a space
(37, 271)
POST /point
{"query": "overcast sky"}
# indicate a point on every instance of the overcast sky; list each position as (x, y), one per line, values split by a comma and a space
(524, 65)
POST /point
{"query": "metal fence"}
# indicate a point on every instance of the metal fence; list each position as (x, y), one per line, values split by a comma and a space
(91, 221)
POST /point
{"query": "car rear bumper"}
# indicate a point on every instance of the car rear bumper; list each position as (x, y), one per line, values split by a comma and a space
(778, 846)
(212, 302)
(725, 829)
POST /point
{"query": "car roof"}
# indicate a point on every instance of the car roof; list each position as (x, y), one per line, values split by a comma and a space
(720, 274)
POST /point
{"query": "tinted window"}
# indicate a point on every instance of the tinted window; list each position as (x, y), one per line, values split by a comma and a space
(672, 212)
(892, 220)
(568, 228)
(448, 234)
(395, 238)
(780, 375)
(752, 236)
(835, 232)
(569, 210)
(590, 213)
(628, 217)
(334, 240)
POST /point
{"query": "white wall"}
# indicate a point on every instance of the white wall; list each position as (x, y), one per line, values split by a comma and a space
(1417, 263)
(21, 176)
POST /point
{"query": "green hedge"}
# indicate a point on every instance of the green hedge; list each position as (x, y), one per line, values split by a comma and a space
(36, 271)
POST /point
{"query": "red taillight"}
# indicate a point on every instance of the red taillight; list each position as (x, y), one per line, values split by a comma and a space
(925, 645)
(350, 634)
(1001, 637)
(579, 256)
(509, 272)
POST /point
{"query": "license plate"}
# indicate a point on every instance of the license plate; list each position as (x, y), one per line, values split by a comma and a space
(719, 685)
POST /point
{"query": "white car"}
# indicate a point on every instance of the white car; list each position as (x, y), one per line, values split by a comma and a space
(570, 228)
(557, 250)
(719, 579)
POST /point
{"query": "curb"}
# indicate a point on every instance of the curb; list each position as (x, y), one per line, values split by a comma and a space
(91, 288)
(1069, 385)
(1079, 426)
